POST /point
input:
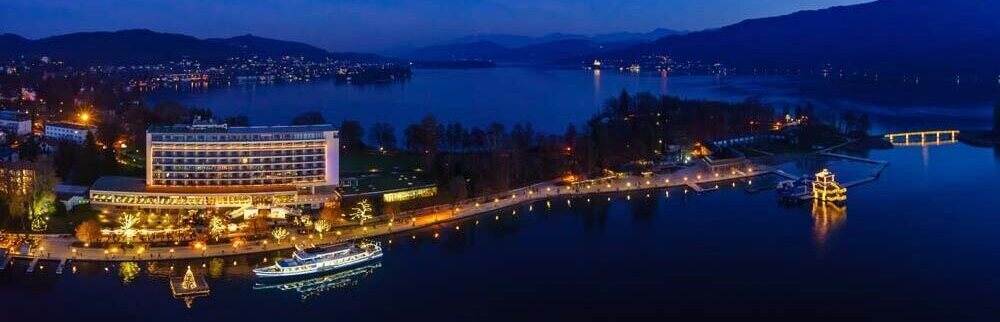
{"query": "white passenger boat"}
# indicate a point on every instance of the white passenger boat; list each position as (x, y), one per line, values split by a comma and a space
(321, 259)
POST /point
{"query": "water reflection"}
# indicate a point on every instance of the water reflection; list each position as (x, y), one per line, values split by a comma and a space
(827, 219)
(317, 285)
(128, 271)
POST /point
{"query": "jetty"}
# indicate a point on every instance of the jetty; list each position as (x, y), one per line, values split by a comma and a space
(31, 267)
(189, 287)
(4, 259)
(699, 189)
(62, 264)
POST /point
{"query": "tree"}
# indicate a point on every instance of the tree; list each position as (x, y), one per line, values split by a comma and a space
(168, 113)
(309, 118)
(88, 163)
(128, 221)
(458, 189)
(351, 134)
(321, 226)
(109, 132)
(201, 113)
(279, 233)
(29, 150)
(217, 226)
(383, 135)
(88, 231)
(362, 211)
(27, 188)
(238, 120)
(330, 213)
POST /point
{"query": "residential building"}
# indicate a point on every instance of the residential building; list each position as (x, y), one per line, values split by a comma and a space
(65, 131)
(15, 122)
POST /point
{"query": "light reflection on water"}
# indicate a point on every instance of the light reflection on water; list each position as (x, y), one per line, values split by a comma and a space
(553, 98)
(827, 219)
(725, 251)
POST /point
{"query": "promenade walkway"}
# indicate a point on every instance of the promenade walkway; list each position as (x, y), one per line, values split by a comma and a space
(60, 247)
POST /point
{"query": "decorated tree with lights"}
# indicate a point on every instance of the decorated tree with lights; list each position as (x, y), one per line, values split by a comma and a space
(280, 233)
(321, 226)
(27, 188)
(128, 222)
(189, 282)
(88, 231)
(362, 211)
(217, 226)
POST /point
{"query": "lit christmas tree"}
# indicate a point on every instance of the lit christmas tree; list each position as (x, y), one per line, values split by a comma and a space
(189, 282)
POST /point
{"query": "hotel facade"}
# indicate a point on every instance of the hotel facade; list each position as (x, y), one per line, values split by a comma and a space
(208, 165)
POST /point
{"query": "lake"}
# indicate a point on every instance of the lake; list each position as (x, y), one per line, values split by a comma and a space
(919, 243)
(551, 99)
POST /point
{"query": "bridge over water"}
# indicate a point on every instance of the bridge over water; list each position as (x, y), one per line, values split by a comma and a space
(922, 138)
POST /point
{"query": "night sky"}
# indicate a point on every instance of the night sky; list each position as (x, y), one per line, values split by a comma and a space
(383, 25)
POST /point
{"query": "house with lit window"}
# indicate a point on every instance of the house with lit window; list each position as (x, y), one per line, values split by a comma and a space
(68, 132)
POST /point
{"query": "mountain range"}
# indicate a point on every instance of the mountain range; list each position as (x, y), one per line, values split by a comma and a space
(525, 49)
(891, 37)
(139, 46)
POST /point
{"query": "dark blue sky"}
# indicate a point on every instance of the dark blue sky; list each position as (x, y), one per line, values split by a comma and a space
(380, 25)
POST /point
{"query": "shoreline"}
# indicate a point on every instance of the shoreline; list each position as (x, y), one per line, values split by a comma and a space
(59, 247)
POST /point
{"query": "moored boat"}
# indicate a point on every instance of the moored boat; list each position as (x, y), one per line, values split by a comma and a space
(321, 259)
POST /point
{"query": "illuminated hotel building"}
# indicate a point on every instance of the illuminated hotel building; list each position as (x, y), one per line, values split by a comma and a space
(206, 165)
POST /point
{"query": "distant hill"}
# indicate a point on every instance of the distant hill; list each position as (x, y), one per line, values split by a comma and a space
(904, 37)
(482, 50)
(145, 46)
(514, 41)
(524, 49)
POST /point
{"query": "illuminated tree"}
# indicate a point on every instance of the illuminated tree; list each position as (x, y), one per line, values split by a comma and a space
(217, 227)
(128, 221)
(331, 212)
(189, 283)
(306, 221)
(28, 189)
(88, 231)
(279, 233)
(321, 226)
(362, 211)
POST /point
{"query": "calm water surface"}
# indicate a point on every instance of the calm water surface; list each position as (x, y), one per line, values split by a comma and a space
(918, 243)
(550, 99)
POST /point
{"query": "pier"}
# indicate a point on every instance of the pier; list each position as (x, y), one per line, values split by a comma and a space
(189, 287)
(62, 264)
(925, 138)
(4, 260)
(31, 267)
(880, 166)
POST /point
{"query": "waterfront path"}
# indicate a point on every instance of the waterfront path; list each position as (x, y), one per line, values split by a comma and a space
(57, 248)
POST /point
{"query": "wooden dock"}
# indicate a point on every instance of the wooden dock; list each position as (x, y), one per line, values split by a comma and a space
(31, 267)
(785, 174)
(698, 188)
(62, 264)
(851, 157)
(4, 260)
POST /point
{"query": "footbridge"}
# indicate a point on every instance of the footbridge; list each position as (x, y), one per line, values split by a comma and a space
(922, 138)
